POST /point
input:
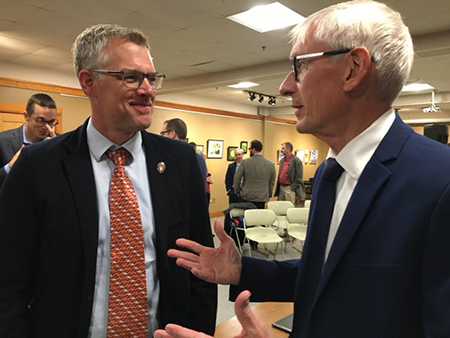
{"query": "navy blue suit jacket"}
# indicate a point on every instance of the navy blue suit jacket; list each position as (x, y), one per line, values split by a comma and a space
(49, 235)
(388, 270)
(229, 178)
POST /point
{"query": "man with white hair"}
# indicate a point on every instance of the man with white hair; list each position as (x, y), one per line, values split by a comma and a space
(375, 261)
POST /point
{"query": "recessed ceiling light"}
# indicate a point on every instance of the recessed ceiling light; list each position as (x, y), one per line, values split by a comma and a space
(416, 87)
(244, 85)
(269, 17)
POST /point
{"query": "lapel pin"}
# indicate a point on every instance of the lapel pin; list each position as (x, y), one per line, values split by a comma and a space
(161, 167)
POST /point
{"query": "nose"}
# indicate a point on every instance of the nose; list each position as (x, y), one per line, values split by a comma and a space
(147, 88)
(288, 86)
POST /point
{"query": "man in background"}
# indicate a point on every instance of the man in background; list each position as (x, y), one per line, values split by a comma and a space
(67, 272)
(229, 177)
(40, 122)
(290, 177)
(176, 129)
(375, 259)
(255, 177)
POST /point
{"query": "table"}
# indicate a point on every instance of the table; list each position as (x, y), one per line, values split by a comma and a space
(268, 312)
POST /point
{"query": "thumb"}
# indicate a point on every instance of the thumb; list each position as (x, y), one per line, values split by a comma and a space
(219, 230)
(252, 326)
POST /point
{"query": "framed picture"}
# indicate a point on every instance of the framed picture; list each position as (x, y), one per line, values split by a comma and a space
(231, 156)
(200, 148)
(244, 146)
(215, 149)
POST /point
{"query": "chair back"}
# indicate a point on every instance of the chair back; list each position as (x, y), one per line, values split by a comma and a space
(280, 207)
(235, 212)
(297, 215)
(262, 217)
(307, 204)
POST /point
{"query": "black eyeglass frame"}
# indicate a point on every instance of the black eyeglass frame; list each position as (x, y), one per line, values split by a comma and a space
(40, 121)
(155, 79)
(164, 132)
(294, 59)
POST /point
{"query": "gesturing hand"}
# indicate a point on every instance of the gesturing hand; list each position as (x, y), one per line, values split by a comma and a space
(252, 326)
(220, 265)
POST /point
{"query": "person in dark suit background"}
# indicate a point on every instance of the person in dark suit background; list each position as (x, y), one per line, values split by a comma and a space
(40, 121)
(55, 255)
(229, 176)
(384, 271)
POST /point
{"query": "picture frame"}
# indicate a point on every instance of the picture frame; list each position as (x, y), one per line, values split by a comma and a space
(214, 149)
(244, 146)
(200, 148)
(231, 156)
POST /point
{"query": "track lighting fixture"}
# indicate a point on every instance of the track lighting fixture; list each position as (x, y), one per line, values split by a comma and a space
(271, 100)
(251, 96)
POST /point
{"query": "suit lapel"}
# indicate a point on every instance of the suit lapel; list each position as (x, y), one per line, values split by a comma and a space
(159, 187)
(374, 175)
(80, 175)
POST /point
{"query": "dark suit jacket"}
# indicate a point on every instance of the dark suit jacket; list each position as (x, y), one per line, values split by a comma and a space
(229, 179)
(388, 271)
(49, 234)
(295, 176)
(10, 143)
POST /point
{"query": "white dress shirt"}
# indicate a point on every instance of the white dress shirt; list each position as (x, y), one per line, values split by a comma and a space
(136, 169)
(354, 158)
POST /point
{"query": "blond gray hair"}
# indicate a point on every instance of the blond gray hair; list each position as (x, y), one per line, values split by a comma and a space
(88, 49)
(370, 24)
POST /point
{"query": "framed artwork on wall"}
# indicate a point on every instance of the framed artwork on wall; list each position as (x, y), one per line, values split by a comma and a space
(231, 156)
(200, 148)
(214, 149)
(244, 146)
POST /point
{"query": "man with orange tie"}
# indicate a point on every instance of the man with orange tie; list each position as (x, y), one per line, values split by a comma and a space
(102, 205)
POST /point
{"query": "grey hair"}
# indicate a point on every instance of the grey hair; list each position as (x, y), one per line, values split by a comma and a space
(88, 49)
(370, 24)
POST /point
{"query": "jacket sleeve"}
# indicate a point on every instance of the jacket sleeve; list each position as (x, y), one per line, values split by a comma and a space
(272, 180)
(238, 177)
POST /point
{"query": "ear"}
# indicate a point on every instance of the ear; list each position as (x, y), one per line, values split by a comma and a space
(87, 81)
(359, 67)
(26, 116)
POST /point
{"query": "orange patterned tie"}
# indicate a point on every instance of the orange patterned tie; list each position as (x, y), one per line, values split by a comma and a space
(128, 304)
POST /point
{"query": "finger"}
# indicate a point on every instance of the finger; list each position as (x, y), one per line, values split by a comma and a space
(190, 245)
(253, 326)
(177, 331)
(161, 334)
(174, 253)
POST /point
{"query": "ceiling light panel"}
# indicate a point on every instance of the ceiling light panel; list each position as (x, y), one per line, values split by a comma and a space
(269, 17)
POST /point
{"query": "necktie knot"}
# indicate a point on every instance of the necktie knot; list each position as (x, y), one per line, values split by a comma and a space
(118, 156)
(332, 171)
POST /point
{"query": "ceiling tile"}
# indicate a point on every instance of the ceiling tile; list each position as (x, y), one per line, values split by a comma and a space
(97, 11)
(15, 11)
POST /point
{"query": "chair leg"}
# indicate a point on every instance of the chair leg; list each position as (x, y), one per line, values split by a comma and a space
(239, 242)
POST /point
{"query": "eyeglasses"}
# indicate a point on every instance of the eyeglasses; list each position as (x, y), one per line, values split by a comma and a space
(163, 132)
(40, 121)
(133, 79)
(298, 61)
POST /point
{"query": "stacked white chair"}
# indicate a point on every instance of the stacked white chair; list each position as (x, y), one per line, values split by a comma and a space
(297, 221)
(258, 227)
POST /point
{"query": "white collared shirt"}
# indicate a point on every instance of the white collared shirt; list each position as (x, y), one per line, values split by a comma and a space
(354, 158)
(136, 169)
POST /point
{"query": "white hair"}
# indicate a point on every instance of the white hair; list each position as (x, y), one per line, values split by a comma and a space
(370, 24)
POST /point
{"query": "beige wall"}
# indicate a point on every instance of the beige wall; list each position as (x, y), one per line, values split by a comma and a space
(201, 127)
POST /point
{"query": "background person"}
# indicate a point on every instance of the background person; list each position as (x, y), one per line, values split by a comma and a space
(255, 177)
(40, 121)
(372, 260)
(229, 176)
(290, 177)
